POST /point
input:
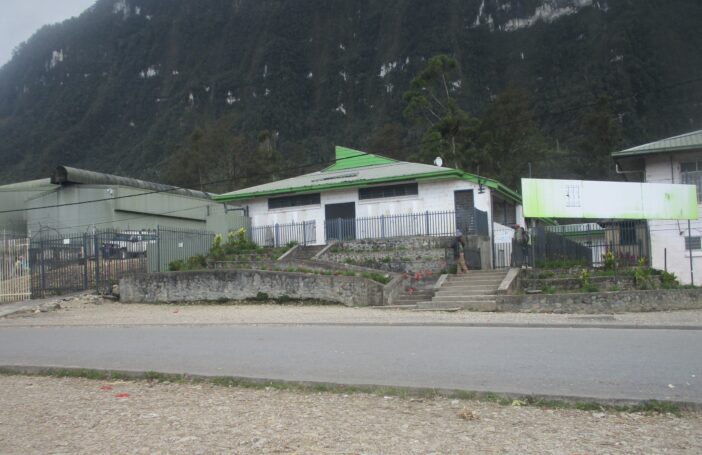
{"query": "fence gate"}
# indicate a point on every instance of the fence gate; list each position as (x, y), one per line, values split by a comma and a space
(14, 269)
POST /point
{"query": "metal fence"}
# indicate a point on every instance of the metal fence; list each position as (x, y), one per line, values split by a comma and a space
(72, 262)
(14, 268)
(276, 235)
(589, 244)
(177, 244)
(407, 225)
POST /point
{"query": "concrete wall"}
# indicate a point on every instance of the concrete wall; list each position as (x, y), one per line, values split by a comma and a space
(669, 236)
(600, 302)
(433, 197)
(246, 284)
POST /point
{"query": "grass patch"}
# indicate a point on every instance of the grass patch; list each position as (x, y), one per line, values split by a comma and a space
(646, 407)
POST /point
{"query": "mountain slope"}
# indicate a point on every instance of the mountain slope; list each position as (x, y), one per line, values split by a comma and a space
(121, 88)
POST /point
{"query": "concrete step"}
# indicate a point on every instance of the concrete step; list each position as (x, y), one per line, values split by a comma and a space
(460, 298)
(465, 294)
(470, 277)
(463, 286)
(473, 281)
(483, 305)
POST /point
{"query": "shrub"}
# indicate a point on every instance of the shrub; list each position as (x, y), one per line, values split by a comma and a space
(176, 266)
(669, 280)
(261, 296)
(642, 276)
(196, 263)
(609, 260)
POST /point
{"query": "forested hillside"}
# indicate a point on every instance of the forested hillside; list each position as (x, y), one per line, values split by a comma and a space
(244, 91)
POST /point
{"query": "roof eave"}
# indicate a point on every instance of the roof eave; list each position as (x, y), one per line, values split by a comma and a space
(337, 186)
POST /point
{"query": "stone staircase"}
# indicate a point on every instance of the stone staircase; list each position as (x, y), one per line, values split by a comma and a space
(418, 296)
(305, 252)
(476, 290)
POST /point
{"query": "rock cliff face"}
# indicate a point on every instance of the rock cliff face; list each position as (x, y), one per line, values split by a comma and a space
(123, 86)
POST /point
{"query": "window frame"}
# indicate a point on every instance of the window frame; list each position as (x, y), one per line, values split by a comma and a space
(370, 192)
(296, 200)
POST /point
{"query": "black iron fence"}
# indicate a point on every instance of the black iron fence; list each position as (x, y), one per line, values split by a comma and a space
(276, 235)
(61, 263)
(623, 243)
(475, 222)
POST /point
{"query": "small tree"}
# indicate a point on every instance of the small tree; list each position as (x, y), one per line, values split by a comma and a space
(432, 107)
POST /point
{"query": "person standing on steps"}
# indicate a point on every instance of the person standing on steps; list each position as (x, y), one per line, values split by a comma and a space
(459, 249)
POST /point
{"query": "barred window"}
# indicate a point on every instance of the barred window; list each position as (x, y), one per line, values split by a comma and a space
(691, 174)
(294, 201)
(693, 243)
(378, 192)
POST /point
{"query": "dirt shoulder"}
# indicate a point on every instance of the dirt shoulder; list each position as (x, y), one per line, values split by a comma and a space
(93, 310)
(51, 415)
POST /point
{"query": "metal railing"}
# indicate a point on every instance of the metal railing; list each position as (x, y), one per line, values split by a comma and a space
(276, 235)
(589, 244)
(14, 268)
(71, 262)
(407, 225)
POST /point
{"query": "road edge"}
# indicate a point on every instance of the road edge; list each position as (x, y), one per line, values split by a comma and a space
(582, 403)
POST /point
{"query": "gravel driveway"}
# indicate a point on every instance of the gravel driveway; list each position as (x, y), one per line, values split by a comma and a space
(50, 415)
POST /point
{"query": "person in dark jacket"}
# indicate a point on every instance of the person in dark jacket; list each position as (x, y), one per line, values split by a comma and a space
(459, 249)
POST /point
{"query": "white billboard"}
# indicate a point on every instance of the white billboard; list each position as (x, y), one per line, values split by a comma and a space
(608, 200)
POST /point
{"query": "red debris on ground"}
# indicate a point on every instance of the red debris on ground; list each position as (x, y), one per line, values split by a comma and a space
(122, 395)
(106, 387)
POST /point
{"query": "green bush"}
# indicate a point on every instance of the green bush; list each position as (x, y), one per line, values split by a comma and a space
(669, 280)
(261, 296)
(176, 266)
(642, 276)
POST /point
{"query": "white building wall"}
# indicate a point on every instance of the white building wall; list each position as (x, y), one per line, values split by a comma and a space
(668, 237)
(434, 196)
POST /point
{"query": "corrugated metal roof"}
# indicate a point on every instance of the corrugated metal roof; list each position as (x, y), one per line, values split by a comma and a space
(687, 141)
(29, 185)
(66, 175)
(366, 169)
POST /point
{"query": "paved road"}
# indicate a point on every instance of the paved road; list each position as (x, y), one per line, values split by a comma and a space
(598, 363)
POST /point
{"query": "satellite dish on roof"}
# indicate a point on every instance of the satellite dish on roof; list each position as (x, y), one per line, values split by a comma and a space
(438, 161)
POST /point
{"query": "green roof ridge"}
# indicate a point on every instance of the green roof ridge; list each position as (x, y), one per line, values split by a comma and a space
(347, 158)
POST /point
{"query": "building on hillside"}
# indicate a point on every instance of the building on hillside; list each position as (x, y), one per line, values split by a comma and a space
(75, 200)
(370, 196)
(673, 160)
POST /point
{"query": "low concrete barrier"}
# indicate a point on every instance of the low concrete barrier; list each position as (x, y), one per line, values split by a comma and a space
(602, 302)
(213, 285)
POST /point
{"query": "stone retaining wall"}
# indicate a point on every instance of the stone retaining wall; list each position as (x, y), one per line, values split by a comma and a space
(404, 254)
(601, 302)
(214, 285)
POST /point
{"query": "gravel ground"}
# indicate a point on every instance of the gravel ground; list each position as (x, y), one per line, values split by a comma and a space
(93, 310)
(50, 415)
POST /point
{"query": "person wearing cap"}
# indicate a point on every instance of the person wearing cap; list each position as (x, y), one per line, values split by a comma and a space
(459, 248)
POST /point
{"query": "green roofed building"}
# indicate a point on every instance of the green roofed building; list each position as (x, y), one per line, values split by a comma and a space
(383, 197)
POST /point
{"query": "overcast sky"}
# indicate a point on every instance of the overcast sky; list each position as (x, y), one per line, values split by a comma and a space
(21, 18)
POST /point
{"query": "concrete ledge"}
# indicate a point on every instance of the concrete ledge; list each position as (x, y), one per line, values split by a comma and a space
(440, 282)
(601, 302)
(509, 282)
(289, 252)
(323, 250)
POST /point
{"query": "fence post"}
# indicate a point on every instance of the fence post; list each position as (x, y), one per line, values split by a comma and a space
(276, 235)
(382, 226)
(426, 220)
(159, 245)
(338, 231)
(96, 245)
(86, 260)
(42, 269)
